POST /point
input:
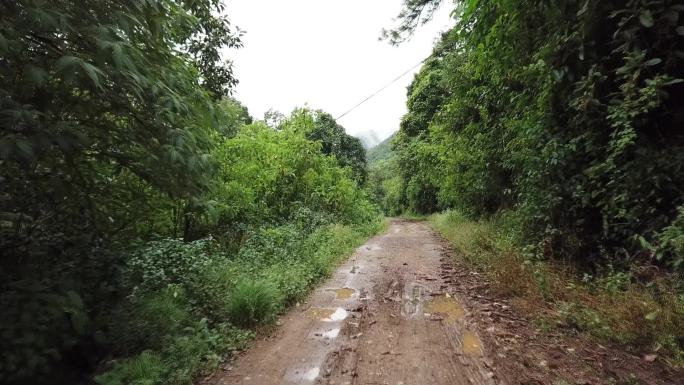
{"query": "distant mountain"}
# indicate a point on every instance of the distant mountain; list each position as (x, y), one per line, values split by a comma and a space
(379, 152)
(368, 138)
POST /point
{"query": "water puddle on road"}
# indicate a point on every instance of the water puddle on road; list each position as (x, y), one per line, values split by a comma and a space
(301, 375)
(446, 306)
(326, 314)
(412, 301)
(331, 334)
(472, 345)
(343, 293)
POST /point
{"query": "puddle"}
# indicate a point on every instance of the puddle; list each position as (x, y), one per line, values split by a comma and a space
(472, 345)
(339, 314)
(297, 375)
(325, 314)
(344, 293)
(446, 306)
(326, 331)
(319, 313)
(412, 303)
(332, 333)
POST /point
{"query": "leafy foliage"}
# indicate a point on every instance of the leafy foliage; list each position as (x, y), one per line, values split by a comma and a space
(170, 262)
(384, 177)
(348, 150)
(564, 112)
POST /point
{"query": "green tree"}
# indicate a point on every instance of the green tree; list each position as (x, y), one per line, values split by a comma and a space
(564, 111)
(347, 149)
(106, 119)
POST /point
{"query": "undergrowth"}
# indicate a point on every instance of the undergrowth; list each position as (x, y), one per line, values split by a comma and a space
(202, 304)
(619, 306)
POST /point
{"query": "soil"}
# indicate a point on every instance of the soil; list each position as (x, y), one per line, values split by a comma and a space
(404, 310)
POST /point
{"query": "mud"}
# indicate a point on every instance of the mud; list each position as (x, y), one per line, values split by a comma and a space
(399, 311)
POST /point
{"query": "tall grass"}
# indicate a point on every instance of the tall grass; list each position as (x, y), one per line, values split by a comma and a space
(253, 303)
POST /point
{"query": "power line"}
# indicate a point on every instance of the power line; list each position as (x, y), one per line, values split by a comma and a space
(381, 89)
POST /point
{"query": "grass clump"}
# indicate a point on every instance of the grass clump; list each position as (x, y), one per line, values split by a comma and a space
(147, 368)
(253, 303)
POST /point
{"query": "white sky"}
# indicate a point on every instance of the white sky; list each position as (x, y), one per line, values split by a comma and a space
(326, 54)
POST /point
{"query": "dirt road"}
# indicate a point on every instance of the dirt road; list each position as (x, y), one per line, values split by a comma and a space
(385, 317)
(401, 311)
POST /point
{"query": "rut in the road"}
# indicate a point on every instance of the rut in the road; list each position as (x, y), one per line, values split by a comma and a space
(385, 317)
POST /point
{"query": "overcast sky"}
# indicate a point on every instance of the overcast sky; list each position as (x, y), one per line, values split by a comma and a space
(326, 54)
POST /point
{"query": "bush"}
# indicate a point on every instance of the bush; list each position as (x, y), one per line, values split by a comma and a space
(171, 261)
(210, 291)
(197, 351)
(253, 303)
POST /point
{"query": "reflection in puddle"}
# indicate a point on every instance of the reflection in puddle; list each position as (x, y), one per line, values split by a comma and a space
(311, 374)
(412, 301)
(471, 344)
(344, 293)
(297, 375)
(332, 333)
(446, 306)
(338, 315)
(325, 314)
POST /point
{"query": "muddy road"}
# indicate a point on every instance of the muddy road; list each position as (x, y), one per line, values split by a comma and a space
(384, 317)
(400, 311)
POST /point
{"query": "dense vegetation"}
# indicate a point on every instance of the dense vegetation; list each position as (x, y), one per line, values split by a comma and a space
(146, 222)
(559, 122)
(566, 112)
(384, 177)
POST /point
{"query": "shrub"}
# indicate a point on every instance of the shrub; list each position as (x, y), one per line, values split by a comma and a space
(170, 261)
(293, 279)
(196, 351)
(210, 290)
(253, 303)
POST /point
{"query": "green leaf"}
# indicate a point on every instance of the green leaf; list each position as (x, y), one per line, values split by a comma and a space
(654, 61)
(66, 62)
(673, 81)
(646, 19)
(75, 299)
(93, 73)
(35, 76)
(3, 44)
(25, 149)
